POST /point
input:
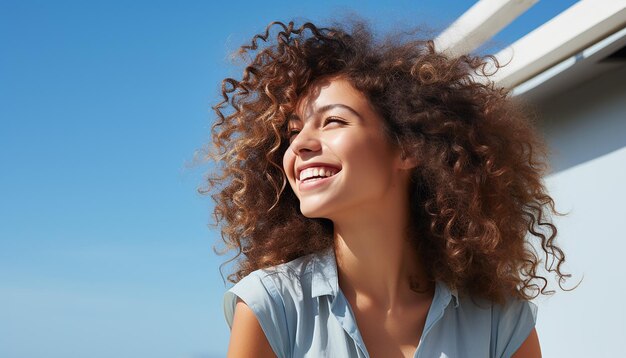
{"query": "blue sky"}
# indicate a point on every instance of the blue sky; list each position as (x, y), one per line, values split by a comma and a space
(105, 248)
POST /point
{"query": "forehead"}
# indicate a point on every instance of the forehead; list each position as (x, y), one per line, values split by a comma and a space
(331, 93)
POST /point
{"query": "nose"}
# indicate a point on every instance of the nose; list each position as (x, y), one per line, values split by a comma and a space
(306, 141)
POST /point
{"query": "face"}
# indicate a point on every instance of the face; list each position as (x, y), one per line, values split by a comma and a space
(339, 160)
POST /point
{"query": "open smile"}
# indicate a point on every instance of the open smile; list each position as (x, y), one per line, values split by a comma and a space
(313, 177)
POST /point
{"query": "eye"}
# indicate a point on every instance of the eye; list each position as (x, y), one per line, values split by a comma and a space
(292, 132)
(337, 120)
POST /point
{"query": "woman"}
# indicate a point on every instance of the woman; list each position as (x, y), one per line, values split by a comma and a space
(380, 196)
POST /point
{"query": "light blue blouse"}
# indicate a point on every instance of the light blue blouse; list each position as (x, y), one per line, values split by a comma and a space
(303, 313)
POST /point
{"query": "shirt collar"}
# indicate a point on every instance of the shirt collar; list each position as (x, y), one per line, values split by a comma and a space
(325, 278)
(448, 294)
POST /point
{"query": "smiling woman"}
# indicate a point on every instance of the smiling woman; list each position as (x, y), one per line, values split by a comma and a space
(380, 198)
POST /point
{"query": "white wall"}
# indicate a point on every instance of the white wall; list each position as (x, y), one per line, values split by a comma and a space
(591, 320)
(587, 121)
(586, 128)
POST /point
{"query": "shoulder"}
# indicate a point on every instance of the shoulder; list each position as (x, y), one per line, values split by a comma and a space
(507, 325)
(507, 313)
(513, 310)
(284, 282)
(512, 323)
(274, 296)
(277, 289)
(470, 323)
(292, 273)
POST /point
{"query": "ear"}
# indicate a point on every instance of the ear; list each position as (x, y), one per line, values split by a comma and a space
(407, 162)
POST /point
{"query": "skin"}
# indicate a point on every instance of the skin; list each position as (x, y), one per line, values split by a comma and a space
(336, 127)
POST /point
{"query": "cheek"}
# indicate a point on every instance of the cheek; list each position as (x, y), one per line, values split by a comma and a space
(355, 151)
(367, 156)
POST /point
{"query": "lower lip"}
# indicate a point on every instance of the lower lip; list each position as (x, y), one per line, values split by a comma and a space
(315, 183)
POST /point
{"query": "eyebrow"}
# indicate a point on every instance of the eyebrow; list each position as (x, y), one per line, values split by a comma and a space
(327, 108)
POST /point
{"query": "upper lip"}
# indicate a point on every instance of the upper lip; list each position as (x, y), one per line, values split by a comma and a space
(300, 168)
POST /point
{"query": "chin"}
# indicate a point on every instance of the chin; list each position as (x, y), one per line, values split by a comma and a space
(311, 214)
(313, 211)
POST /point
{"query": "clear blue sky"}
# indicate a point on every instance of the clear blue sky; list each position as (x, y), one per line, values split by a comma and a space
(105, 248)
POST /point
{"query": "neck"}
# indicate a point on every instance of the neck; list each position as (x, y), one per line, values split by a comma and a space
(375, 261)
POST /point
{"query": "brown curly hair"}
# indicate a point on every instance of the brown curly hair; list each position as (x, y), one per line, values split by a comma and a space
(475, 195)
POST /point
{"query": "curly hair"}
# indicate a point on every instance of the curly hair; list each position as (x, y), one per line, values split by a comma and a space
(475, 195)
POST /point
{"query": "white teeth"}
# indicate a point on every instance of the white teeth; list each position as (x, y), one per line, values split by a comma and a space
(316, 172)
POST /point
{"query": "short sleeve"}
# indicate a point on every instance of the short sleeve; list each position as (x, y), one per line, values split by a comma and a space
(511, 324)
(263, 299)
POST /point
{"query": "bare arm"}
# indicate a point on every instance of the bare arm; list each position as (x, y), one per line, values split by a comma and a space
(247, 339)
(530, 348)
